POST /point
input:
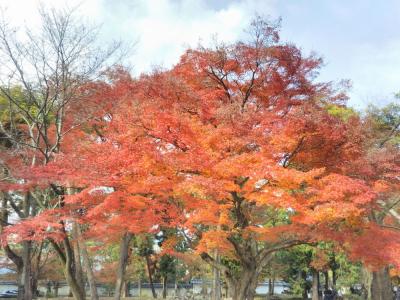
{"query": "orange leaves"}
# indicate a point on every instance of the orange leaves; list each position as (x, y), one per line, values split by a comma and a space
(215, 240)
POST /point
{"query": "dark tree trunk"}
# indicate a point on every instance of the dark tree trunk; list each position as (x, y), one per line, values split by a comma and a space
(123, 262)
(87, 264)
(381, 287)
(55, 286)
(69, 270)
(334, 278)
(27, 254)
(305, 289)
(270, 286)
(164, 291)
(326, 277)
(150, 271)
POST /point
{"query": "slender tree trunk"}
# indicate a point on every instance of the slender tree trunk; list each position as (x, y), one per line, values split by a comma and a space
(123, 261)
(216, 292)
(67, 258)
(55, 286)
(69, 271)
(334, 278)
(26, 254)
(270, 286)
(87, 265)
(149, 270)
(164, 291)
(140, 287)
(315, 285)
(273, 286)
(381, 287)
(125, 289)
(77, 258)
(20, 283)
(326, 277)
(305, 289)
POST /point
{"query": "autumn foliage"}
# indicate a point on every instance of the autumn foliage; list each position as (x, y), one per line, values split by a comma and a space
(236, 148)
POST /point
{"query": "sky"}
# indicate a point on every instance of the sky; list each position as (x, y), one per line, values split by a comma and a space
(359, 40)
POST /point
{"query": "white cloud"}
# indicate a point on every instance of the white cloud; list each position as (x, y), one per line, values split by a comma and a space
(164, 28)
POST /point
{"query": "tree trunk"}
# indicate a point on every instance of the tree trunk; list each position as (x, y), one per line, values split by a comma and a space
(55, 286)
(140, 287)
(123, 261)
(245, 287)
(381, 288)
(75, 288)
(125, 289)
(270, 286)
(26, 270)
(164, 291)
(326, 277)
(69, 271)
(273, 286)
(216, 292)
(26, 254)
(315, 285)
(305, 289)
(87, 264)
(149, 270)
(334, 278)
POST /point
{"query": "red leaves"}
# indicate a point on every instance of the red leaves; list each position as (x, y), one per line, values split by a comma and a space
(44, 226)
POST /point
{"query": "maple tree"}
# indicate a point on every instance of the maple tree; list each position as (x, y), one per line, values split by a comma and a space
(236, 147)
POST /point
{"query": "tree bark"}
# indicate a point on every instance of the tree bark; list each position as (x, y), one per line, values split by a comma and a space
(326, 277)
(244, 288)
(125, 289)
(123, 261)
(216, 292)
(26, 254)
(27, 270)
(315, 285)
(305, 289)
(69, 271)
(164, 291)
(140, 287)
(56, 284)
(87, 265)
(149, 270)
(270, 286)
(381, 287)
(77, 252)
(334, 278)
